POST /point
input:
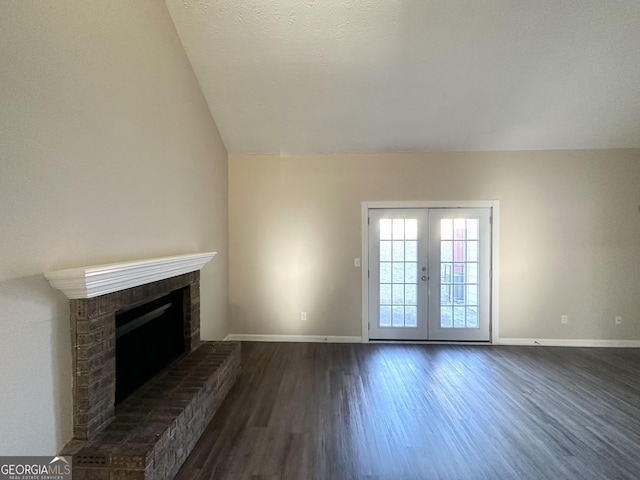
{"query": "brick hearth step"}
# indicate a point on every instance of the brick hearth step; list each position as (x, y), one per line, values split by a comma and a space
(156, 428)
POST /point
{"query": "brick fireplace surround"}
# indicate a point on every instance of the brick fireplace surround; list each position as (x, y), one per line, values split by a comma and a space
(150, 434)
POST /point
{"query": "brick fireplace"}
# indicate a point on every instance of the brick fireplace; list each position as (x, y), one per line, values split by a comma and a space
(149, 434)
(93, 349)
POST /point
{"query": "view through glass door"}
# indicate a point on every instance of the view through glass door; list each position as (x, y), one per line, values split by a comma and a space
(429, 274)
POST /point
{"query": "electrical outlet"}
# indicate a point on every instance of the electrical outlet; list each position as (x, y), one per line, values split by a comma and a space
(303, 316)
(564, 318)
(618, 319)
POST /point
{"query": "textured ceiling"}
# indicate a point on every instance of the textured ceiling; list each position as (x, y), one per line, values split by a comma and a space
(324, 76)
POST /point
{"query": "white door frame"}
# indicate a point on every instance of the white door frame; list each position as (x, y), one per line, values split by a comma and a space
(495, 243)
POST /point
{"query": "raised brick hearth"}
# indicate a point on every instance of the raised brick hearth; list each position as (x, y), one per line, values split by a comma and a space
(149, 435)
(156, 428)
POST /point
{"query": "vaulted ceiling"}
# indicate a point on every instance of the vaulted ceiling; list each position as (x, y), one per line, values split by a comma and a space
(324, 76)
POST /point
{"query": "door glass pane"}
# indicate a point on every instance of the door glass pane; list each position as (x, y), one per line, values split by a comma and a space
(472, 251)
(398, 294)
(472, 272)
(385, 316)
(398, 251)
(410, 272)
(458, 251)
(472, 317)
(411, 251)
(385, 229)
(445, 295)
(446, 272)
(411, 229)
(398, 272)
(459, 317)
(446, 251)
(398, 316)
(385, 294)
(398, 228)
(472, 294)
(472, 228)
(410, 316)
(410, 295)
(385, 251)
(459, 273)
(446, 229)
(385, 272)
(446, 317)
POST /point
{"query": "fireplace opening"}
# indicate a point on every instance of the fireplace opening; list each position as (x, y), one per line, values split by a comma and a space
(148, 338)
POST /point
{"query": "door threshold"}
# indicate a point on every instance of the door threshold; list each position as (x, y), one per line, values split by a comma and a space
(433, 342)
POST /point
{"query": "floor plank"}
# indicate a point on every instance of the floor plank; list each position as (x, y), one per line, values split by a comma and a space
(353, 411)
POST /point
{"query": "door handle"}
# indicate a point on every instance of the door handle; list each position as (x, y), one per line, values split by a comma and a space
(424, 278)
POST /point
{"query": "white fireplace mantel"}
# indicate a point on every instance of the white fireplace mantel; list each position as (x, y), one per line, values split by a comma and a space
(92, 281)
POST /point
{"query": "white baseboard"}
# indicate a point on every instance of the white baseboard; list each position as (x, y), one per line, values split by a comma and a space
(540, 342)
(241, 337)
(558, 342)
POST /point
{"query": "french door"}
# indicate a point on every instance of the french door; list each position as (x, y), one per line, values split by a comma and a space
(429, 274)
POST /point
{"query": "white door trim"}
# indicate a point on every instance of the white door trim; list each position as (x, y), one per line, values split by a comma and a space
(495, 228)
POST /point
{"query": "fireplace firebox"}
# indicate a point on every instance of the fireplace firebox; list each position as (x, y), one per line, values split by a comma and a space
(148, 338)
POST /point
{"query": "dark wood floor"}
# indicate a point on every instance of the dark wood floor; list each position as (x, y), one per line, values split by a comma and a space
(323, 411)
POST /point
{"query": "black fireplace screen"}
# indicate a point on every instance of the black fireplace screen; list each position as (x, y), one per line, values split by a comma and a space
(148, 338)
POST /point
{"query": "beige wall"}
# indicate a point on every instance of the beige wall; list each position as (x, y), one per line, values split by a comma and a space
(569, 236)
(107, 153)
